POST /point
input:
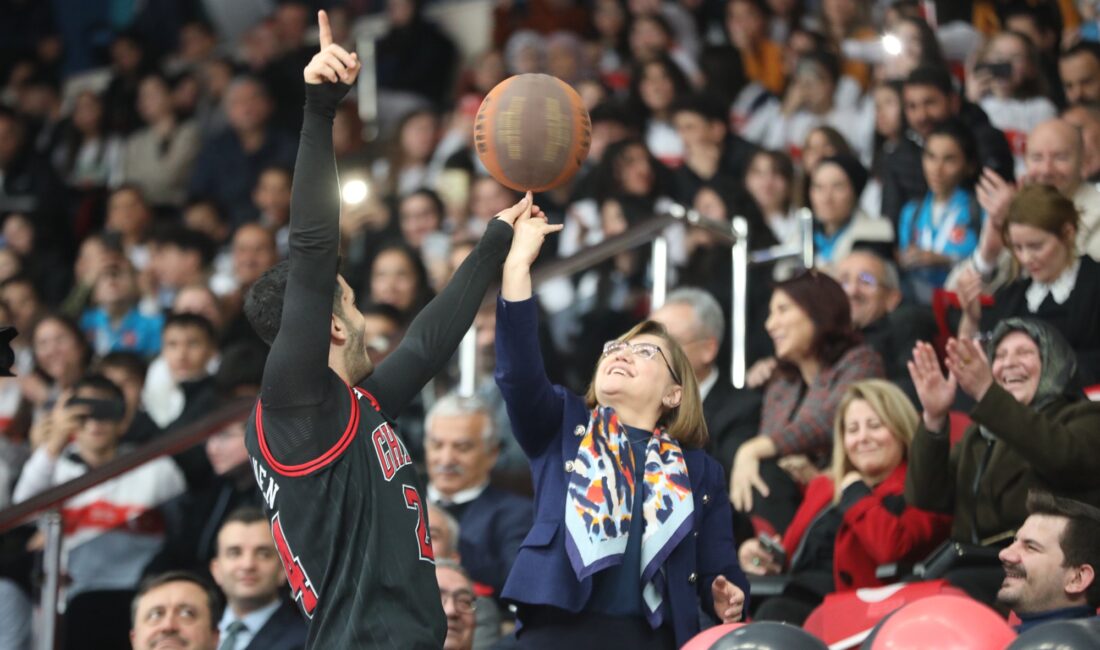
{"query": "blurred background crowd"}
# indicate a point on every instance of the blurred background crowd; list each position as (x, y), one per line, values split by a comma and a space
(948, 152)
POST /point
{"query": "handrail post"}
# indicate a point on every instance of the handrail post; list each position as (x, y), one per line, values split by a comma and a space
(467, 363)
(51, 564)
(806, 221)
(660, 272)
(740, 253)
(367, 88)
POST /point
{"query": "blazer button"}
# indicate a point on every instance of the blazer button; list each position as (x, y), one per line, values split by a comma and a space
(569, 467)
(706, 499)
(578, 430)
(693, 577)
(695, 534)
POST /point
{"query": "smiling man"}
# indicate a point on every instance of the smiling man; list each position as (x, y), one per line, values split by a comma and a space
(1050, 568)
(247, 569)
(461, 447)
(175, 610)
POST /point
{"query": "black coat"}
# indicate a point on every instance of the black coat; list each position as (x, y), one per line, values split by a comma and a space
(285, 630)
(732, 416)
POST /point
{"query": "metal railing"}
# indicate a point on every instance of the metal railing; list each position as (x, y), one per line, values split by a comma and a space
(47, 505)
(736, 235)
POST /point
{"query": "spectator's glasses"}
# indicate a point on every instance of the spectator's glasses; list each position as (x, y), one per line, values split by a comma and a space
(643, 351)
(862, 280)
(464, 600)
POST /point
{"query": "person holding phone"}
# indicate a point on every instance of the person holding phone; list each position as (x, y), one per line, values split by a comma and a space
(853, 517)
(113, 529)
(1008, 82)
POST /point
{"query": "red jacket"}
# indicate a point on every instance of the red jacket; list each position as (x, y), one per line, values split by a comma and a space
(879, 529)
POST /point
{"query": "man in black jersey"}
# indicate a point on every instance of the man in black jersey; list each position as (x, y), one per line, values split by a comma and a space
(345, 505)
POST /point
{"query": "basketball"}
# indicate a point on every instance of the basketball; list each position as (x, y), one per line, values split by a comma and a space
(532, 132)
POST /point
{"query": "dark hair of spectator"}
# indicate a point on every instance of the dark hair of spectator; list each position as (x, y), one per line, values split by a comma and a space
(783, 165)
(278, 169)
(245, 515)
(723, 72)
(213, 596)
(931, 54)
(658, 21)
(241, 368)
(1046, 16)
(1088, 48)
(606, 176)
(706, 106)
(100, 384)
(433, 197)
(958, 131)
(382, 310)
(197, 321)
(263, 304)
(825, 60)
(129, 362)
(680, 84)
(187, 240)
(826, 305)
(613, 111)
(1080, 540)
(936, 77)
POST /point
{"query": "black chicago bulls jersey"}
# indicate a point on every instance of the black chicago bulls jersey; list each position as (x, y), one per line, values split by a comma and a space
(343, 499)
(352, 532)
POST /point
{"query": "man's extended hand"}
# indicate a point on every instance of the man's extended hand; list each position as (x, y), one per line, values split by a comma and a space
(333, 63)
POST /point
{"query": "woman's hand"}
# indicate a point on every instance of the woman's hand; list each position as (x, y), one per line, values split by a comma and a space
(757, 561)
(967, 362)
(729, 600)
(530, 231)
(800, 468)
(761, 372)
(333, 63)
(935, 392)
(969, 288)
(979, 83)
(746, 472)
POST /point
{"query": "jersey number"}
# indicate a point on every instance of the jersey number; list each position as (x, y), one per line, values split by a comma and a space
(301, 588)
(423, 539)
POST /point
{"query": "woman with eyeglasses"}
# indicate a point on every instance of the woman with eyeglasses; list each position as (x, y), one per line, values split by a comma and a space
(632, 533)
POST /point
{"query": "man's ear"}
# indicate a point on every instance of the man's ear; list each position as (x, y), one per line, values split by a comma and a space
(710, 349)
(1081, 579)
(338, 331)
(893, 300)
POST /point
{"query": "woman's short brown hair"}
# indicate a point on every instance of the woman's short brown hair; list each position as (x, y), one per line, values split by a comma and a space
(684, 422)
(1043, 207)
(892, 407)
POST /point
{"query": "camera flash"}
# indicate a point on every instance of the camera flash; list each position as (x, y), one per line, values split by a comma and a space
(354, 192)
(891, 44)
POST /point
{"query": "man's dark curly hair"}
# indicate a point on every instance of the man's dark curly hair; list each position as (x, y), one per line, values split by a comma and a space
(263, 304)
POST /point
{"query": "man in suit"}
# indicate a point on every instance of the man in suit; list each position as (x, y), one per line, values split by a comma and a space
(461, 447)
(694, 319)
(248, 569)
(459, 604)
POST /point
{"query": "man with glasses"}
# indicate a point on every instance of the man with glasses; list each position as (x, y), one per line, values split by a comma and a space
(888, 326)
(457, 593)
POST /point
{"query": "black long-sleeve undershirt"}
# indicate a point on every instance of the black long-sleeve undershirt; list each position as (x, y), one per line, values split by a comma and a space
(309, 401)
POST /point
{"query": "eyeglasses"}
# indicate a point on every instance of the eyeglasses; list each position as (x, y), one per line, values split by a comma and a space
(864, 279)
(642, 351)
(463, 599)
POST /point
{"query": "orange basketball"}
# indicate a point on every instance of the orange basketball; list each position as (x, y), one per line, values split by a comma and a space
(532, 132)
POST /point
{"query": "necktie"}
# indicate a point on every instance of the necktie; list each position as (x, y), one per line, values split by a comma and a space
(229, 641)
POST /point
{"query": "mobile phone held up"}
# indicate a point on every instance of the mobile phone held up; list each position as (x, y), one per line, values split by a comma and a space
(996, 70)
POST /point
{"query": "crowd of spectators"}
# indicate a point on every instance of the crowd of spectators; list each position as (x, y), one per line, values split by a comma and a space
(913, 386)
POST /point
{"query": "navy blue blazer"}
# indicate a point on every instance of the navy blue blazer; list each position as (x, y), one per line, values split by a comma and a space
(548, 422)
(285, 630)
(491, 529)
